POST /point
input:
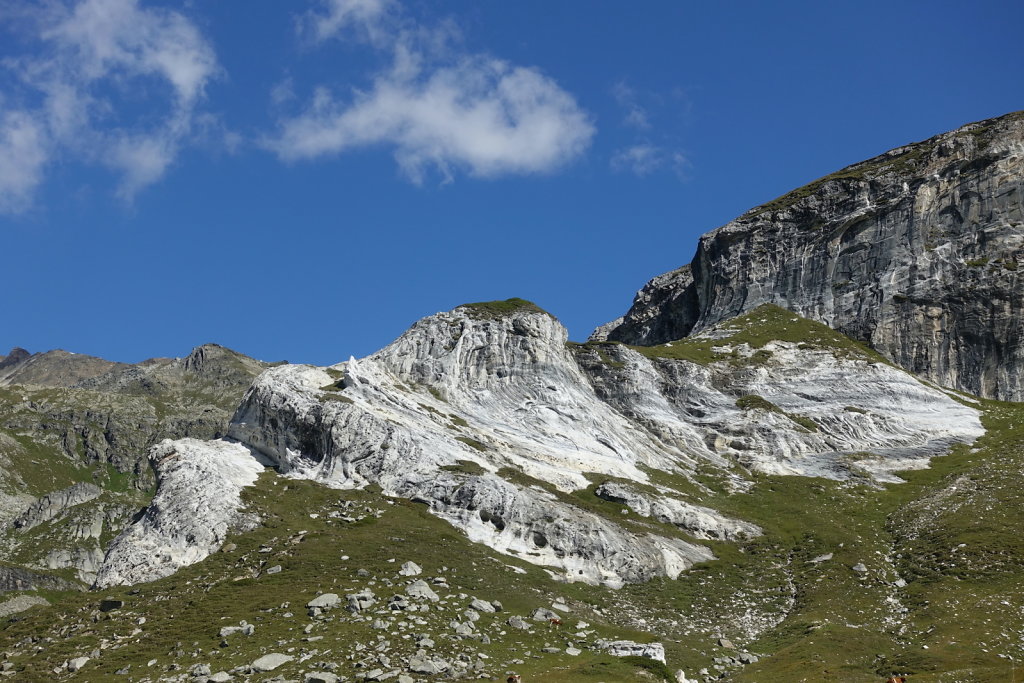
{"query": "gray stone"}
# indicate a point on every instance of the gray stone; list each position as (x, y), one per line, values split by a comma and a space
(420, 589)
(77, 663)
(325, 601)
(410, 569)
(482, 606)
(276, 569)
(270, 662)
(419, 664)
(321, 677)
(54, 504)
(518, 623)
(905, 252)
(20, 603)
(542, 614)
(629, 648)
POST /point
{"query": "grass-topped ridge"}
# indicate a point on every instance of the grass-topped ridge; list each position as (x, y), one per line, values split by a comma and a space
(901, 161)
(766, 323)
(501, 309)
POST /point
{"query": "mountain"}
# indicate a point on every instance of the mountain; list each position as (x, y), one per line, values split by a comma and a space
(74, 433)
(50, 369)
(715, 484)
(914, 252)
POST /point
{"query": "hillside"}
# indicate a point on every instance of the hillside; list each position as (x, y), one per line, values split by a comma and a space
(913, 252)
(783, 464)
(74, 432)
(873, 570)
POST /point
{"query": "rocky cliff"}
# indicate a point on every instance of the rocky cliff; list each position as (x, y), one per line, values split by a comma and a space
(914, 252)
(576, 457)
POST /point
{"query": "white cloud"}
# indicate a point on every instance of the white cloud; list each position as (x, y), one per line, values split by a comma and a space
(94, 57)
(22, 157)
(440, 109)
(102, 38)
(636, 116)
(336, 16)
(644, 159)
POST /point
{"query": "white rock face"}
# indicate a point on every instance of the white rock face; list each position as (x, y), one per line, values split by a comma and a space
(497, 392)
(198, 499)
(491, 420)
(699, 521)
(856, 405)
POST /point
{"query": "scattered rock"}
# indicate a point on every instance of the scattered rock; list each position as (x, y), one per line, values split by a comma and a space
(77, 663)
(541, 614)
(482, 606)
(420, 589)
(325, 601)
(410, 569)
(321, 677)
(270, 662)
(629, 648)
(419, 664)
(518, 623)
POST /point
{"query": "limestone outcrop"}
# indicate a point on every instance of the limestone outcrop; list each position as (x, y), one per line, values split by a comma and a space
(197, 502)
(914, 252)
(491, 418)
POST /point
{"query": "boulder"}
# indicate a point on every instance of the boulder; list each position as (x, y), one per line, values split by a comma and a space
(629, 648)
(325, 601)
(270, 662)
(420, 589)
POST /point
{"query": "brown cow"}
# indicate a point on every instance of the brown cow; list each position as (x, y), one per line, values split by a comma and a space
(896, 679)
(514, 678)
(554, 623)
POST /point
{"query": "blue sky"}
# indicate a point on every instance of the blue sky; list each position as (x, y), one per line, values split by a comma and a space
(303, 180)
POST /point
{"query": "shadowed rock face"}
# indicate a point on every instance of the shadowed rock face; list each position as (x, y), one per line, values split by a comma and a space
(915, 252)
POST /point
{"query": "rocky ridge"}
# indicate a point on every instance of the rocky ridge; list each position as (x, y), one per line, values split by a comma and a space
(74, 432)
(487, 415)
(914, 252)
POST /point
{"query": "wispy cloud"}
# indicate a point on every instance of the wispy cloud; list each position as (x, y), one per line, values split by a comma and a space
(438, 108)
(650, 152)
(644, 159)
(23, 153)
(80, 91)
(635, 115)
(333, 17)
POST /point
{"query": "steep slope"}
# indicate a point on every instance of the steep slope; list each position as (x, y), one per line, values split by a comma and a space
(914, 252)
(491, 418)
(62, 435)
(843, 575)
(56, 368)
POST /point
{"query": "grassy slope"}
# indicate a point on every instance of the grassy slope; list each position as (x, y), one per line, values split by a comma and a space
(951, 532)
(757, 328)
(185, 611)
